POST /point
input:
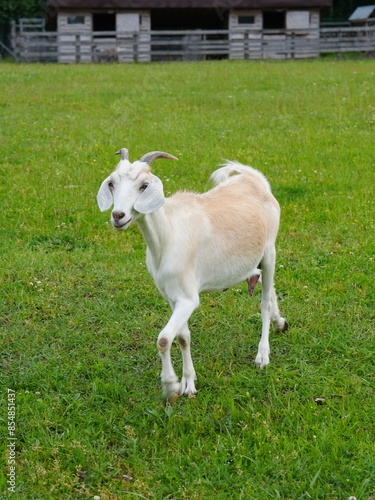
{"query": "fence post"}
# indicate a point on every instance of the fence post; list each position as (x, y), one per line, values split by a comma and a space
(293, 46)
(246, 45)
(26, 48)
(13, 41)
(135, 47)
(77, 49)
(339, 55)
(12, 34)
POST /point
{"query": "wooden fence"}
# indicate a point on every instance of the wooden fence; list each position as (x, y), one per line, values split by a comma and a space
(75, 47)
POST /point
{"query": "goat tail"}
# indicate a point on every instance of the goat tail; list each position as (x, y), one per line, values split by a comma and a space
(233, 167)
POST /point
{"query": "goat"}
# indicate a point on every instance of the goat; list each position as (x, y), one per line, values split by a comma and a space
(199, 243)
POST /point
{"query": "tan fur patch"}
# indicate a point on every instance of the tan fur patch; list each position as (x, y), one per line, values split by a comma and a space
(162, 344)
(182, 342)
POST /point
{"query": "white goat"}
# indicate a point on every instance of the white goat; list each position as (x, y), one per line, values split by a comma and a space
(198, 243)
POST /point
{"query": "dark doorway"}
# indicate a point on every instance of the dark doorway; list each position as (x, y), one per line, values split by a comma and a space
(191, 46)
(274, 20)
(188, 19)
(104, 22)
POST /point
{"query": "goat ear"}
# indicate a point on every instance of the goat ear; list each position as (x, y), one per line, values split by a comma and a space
(152, 197)
(104, 196)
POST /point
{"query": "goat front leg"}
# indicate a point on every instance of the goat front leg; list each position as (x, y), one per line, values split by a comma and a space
(181, 313)
(188, 372)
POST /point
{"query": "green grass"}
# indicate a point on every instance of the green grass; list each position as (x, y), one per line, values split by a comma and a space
(80, 315)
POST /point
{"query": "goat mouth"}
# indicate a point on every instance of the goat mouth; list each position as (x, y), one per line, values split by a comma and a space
(121, 226)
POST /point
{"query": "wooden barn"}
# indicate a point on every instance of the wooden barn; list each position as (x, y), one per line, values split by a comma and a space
(146, 30)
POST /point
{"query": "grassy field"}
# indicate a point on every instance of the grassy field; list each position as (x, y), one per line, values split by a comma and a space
(80, 315)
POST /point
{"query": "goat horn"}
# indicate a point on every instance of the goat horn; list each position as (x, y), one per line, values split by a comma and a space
(154, 155)
(124, 153)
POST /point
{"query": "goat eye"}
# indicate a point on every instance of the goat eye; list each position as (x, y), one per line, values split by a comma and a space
(110, 185)
(143, 187)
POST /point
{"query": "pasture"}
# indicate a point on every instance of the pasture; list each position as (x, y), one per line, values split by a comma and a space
(80, 315)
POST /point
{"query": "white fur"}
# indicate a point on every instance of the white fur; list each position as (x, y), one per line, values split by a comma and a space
(198, 243)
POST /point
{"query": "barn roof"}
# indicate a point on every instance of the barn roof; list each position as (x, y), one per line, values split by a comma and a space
(184, 4)
(363, 13)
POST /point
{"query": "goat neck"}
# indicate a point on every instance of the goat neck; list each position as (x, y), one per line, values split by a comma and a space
(155, 231)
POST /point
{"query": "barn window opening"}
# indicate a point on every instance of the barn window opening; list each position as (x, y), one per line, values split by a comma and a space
(76, 19)
(274, 20)
(246, 19)
(104, 22)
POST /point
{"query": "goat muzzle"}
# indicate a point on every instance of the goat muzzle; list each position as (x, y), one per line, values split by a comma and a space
(117, 216)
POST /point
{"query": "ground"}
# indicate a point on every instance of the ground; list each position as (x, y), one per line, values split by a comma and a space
(80, 315)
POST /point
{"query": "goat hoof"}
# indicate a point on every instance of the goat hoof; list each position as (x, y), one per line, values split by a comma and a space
(174, 398)
(191, 393)
(171, 400)
(280, 324)
(262, 360)
(188, 387)
(171, 392)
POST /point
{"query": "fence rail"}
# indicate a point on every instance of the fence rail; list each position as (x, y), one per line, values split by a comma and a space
(190, 45)
(8, 51)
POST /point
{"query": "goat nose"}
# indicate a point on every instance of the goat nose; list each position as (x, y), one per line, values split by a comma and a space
(117, 216)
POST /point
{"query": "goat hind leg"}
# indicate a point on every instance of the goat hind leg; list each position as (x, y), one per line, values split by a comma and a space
(270, 310)
(278, 322)
(268, 269)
